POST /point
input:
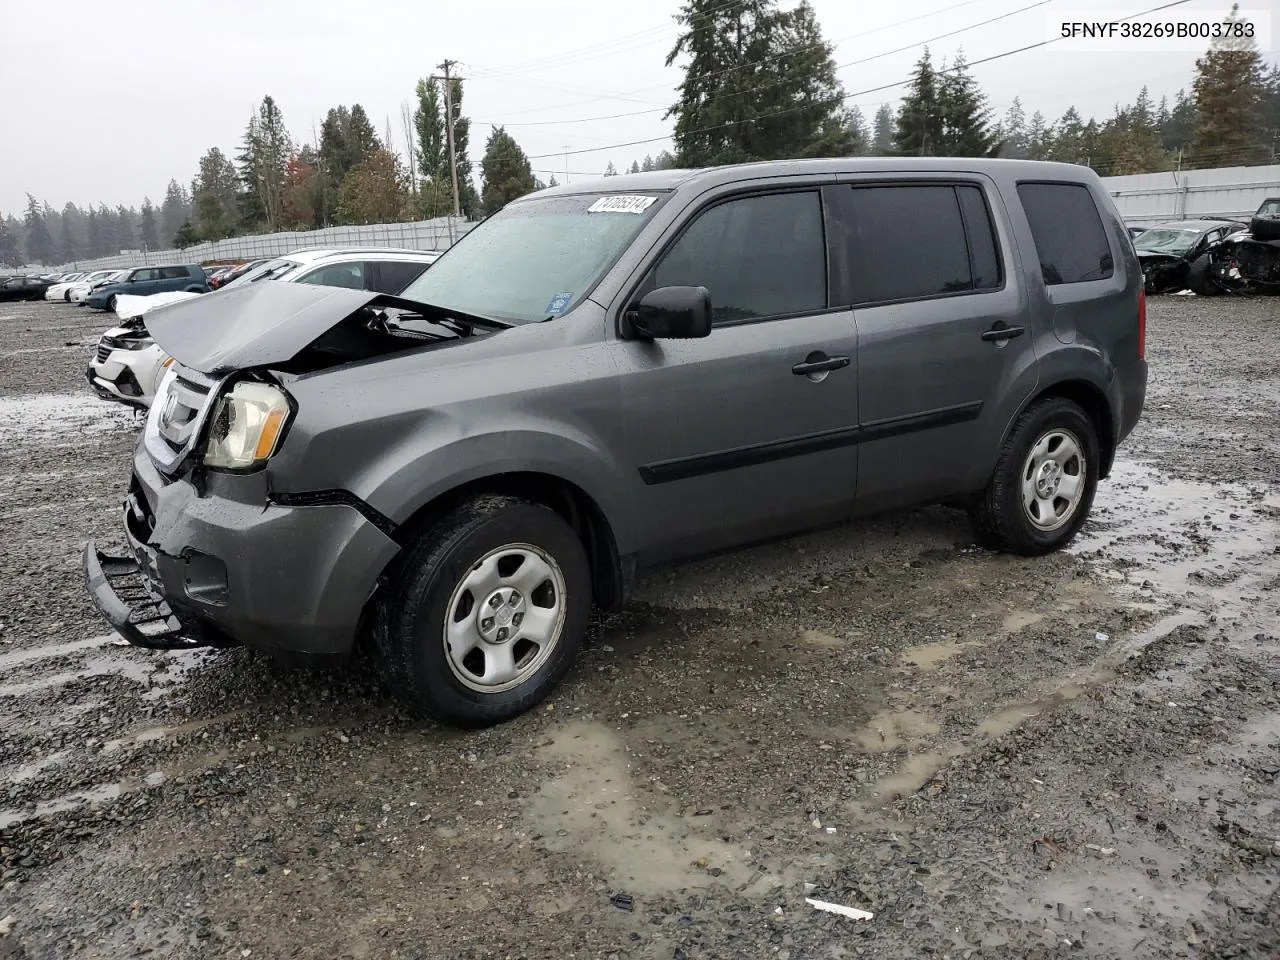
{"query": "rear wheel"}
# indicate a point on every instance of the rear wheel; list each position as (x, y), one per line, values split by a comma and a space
(1198, 280)
(486, 613)
(67, 296)
(111, 303)
(1044, 481)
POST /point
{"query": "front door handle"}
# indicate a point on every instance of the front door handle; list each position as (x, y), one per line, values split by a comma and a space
(819, 363)
(1002, 331)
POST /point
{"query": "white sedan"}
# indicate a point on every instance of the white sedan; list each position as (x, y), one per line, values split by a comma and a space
(58, 291)
(79, 291)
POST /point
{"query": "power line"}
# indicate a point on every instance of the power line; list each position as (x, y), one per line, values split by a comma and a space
(845, 96)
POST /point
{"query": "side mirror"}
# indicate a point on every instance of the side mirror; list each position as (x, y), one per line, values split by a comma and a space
(671, 313)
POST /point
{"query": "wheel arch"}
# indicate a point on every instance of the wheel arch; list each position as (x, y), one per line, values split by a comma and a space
(1094, 402)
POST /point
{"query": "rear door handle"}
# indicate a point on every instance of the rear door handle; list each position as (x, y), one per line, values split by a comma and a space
(1002, 331)
(819, 363)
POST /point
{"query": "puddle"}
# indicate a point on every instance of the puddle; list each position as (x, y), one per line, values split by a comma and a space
(98, 794)
(1020, 620)
(143, 671)
(591, 810)
(28, 654)
(930, 656)
(47, 414)
(29, 771)
(917, 770)
(891, 729)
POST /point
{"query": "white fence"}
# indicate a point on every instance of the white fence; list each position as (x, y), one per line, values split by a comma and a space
(1232, 192)
(421, 235)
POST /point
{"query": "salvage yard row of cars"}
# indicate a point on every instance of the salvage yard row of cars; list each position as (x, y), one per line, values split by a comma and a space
(1211, 256)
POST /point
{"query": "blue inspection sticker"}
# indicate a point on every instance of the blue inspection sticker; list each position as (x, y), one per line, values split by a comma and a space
(559, 304)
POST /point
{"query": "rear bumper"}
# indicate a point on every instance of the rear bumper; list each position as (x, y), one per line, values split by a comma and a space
(231, 567)
(1133, 396)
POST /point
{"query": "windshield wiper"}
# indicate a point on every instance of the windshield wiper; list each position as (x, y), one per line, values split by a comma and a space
(469, 320)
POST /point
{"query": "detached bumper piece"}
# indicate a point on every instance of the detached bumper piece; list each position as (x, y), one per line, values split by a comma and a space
(123, 594)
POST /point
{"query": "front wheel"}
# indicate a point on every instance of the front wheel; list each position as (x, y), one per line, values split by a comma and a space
(1043, 483)
(486, 613)
(111, 303)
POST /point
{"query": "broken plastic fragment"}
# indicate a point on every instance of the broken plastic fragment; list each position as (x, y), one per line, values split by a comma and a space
(853, 913)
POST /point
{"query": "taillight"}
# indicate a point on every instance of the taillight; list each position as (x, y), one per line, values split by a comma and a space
(1142, 323)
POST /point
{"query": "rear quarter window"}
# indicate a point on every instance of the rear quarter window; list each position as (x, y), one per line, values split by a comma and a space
(1070, 240)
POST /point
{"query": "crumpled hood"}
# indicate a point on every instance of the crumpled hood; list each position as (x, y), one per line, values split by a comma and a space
(266, 323)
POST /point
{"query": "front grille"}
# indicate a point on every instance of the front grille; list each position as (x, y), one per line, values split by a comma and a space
(104, 351)
(177, 414)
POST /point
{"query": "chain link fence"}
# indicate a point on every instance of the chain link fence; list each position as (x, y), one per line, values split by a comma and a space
(421, 235)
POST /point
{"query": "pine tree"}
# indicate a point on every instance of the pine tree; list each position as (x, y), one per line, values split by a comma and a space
(759, 84)
(884, 132)
(963, 107)
(553, 182)
(1228, 91)
(664, 161)
(635, 167)
(1015, 137)
(859, 133)
(375, 191)
(1178, 127)
(647, 164)
(506, 172)
(126, 232)
(610, 170)
(39, 245)
(919, 123)
(263, 162)
(185, 236)
(10, 253)
(1069, 141)
(69, 247)
(1040, 138)
(175, 210)
(216, 192)
(95, 242)
(149, 233)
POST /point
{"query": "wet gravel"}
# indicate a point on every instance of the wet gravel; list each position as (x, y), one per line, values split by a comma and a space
(997, 757)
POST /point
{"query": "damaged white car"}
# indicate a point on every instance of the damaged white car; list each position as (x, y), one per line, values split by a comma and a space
(79, 292)
(128, 365)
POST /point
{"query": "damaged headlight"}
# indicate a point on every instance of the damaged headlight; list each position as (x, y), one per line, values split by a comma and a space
(246, 426)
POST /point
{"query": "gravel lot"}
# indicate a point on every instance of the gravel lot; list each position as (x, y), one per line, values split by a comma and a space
(998, 757)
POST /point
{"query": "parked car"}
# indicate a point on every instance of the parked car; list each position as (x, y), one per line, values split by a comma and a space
(24, 288)
(145, 280)
(1246, 262)
(79, 292)
(127, 365)
(1167, 251)
(593, 382)
(380, 269)
(228, 274)
(59, 290)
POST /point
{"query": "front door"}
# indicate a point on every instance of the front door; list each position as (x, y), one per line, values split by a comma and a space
(941, 336)
(751, 431)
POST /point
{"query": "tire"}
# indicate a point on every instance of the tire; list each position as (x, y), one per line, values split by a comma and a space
(1265, 227)
(111, 303)
(67, 296)
(1198, 278)
(446, 661)
(1033, 447)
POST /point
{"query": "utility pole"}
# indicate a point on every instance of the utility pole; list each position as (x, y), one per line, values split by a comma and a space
(448, 129)
(566, 163)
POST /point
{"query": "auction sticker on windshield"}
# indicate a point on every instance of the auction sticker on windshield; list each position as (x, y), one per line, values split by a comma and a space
(622, 203)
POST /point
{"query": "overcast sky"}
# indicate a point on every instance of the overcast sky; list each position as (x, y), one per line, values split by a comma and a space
(107, 102)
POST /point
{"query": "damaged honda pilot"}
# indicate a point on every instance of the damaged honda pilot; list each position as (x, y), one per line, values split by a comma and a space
(593, 382)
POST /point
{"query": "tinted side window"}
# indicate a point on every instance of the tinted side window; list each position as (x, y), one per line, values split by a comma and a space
(173, 273)
(1065, 225)
(141, 275)
(759, 256)
(395, 275)
(350, 275)
(908, 242)
(983, 258)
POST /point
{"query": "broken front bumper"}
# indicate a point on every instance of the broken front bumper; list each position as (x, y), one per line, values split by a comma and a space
(124, 595)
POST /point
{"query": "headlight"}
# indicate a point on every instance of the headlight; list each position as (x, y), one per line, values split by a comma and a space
(246, 426)
(129, 343)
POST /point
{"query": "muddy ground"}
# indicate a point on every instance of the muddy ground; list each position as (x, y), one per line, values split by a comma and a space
(997, 757)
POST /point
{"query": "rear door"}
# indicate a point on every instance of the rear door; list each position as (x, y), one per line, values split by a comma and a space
(941, 334)
(348, 273)
(392, 276)
(748, 432)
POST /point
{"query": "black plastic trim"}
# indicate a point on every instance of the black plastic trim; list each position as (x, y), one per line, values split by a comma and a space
(337, 498)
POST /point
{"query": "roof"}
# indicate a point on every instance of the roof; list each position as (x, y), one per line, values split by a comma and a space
(314, 254)
(1209, 223)
(711, 176)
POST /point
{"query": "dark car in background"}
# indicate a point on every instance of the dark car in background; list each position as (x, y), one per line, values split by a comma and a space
(24, 288)
(1168, 252)
(1244, 262)
(143, 281)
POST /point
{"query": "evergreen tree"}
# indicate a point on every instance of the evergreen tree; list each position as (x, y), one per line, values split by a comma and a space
(126, 232)
(919, 125)
(148, 232)
(69, 246)
(884, 133)
(635, 167)
(859, 133)
(95, 242)
(216, 193)
(553, 182)
(759, 84)
(1178, 127)
(963, 108)
(175, 210)
(375, 191)
(1228, 91)
(664, 161)
(1040, 138)
(647, 165)
(263, 163)
(186, 235)
(10, 252)
(1069, 141)
(39, 245)
(506, 171)
(1271, 113)
(610, 170)
(1015, 136)
(303, 192)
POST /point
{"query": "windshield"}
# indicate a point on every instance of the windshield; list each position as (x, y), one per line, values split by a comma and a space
(271, 270)
(1161, 240)
(1270, 207)
(535, 259)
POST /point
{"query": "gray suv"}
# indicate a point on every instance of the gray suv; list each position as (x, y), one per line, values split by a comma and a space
(609, 376)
